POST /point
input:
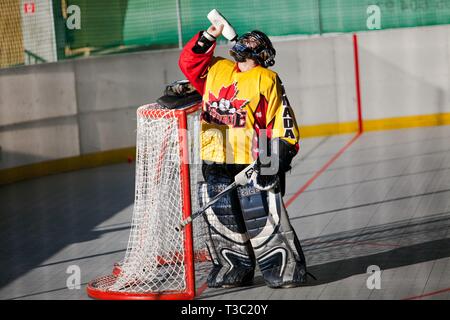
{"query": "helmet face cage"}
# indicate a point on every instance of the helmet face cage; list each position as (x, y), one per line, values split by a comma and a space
(240, 52)
(263, 52)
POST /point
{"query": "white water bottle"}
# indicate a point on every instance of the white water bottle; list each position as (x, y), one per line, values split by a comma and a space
(217, 19)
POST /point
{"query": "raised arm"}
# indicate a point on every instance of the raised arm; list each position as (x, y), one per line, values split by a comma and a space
(197, 56)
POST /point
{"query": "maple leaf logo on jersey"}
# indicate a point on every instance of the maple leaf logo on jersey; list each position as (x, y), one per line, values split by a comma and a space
(226, 108)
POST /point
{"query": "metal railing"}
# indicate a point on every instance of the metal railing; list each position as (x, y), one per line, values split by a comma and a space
(32, 58)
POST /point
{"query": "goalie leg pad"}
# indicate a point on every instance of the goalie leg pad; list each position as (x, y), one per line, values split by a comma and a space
(228, 243)
(274, 241)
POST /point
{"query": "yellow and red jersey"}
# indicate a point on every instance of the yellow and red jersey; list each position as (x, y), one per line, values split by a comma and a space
(237, 106)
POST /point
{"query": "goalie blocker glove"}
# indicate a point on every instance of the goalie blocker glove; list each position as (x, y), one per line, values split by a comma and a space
(179, 94)
(266, 174)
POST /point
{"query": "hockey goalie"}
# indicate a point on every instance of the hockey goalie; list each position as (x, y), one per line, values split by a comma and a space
(245, 117)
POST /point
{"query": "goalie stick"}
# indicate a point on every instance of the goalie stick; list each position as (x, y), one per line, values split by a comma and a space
(241, 179)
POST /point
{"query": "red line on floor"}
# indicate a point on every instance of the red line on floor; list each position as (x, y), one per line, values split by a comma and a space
(325, 167)
(427, 294)
(202, 288)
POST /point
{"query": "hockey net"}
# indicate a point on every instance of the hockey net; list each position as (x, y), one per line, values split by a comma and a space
(161, 263)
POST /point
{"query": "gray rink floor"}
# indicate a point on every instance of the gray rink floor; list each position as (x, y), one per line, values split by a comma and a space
(385, 201)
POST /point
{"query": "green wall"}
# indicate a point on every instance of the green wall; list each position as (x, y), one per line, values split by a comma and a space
(113, 26)
(143, 22)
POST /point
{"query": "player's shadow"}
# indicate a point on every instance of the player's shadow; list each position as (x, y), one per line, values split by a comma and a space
(387, 246)
(338, 256)
(404, 256)
(41, 217)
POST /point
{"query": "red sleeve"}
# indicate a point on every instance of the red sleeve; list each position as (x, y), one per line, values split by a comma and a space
(195, 65)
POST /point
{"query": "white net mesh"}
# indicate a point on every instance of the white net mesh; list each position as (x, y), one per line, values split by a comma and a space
(156, 260)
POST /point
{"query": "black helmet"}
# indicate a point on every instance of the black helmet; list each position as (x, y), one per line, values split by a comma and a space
(254, 45)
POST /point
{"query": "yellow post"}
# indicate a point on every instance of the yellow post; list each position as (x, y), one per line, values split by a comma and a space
(11, 40)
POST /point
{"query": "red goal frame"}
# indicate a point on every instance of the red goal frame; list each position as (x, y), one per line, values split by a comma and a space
(189, 293)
